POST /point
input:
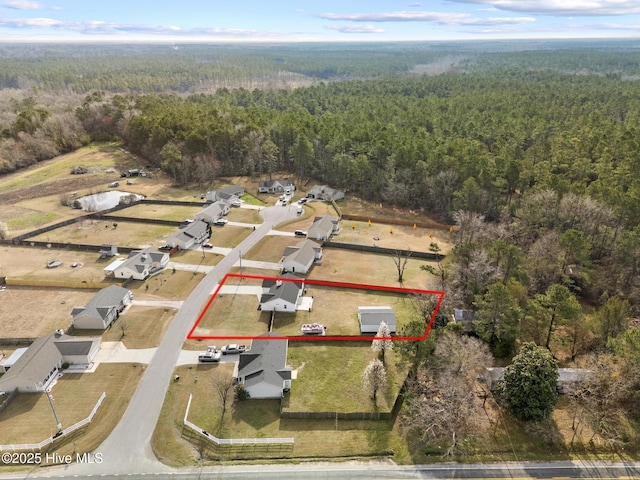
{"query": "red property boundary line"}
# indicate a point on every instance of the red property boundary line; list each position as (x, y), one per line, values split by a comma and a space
(306, 338)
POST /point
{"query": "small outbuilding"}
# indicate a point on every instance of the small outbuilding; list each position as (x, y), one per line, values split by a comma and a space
(370, 319)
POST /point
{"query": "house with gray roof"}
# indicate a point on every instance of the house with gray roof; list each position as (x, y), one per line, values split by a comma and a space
(276, 186)
(213, 212)
(226, 194)
(103, 309)
(301, 257)
(263, 369)
(323, 227)
(324, 192)
(370, 319)
(139, 265)
(39, 365)
(192, 235)
(281, 295)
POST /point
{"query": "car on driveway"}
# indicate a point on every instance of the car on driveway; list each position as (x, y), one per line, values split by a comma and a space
(211, 355)
(207, 245)
(221, 222)
(233, 348)
(300, 233)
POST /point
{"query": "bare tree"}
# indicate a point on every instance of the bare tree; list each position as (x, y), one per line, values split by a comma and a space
(122, 325)
(382, 342)
(443, 400)
(374, 378)
(400, 258)
(223, 385)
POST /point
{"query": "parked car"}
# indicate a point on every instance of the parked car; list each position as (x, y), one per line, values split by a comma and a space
(211, 355)
(233, 348)
(221, 222)
(236, 203)
(207, 245)
(300, 233)
(302, 201)
(164, 247)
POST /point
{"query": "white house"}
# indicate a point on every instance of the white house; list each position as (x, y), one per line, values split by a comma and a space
(213, 212)
(103, 309)
(38, 366)
(263, 370)
(226, 194)
(139, 265)
(277, 186)
(281, 295)
(190, 236)
(323, 227)
(370, 319)
(301, 257)
(324, 192)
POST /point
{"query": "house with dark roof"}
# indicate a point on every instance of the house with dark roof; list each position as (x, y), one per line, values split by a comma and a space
(39, 365)
(103, 309)
(281, 295)
(226, 194)
(139, 265)
(277, 186)
(301, 257)
(323, 227)
(213, 212)
(192, 235)
(370, 319)
(263, 369)
(324, 192)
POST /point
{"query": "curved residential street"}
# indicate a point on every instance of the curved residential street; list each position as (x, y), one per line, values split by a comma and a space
(128, 448)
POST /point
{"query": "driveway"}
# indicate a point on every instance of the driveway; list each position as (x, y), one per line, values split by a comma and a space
(190, 267)
(259, 264)
(157, 303)
(116, 352)
(130, 440)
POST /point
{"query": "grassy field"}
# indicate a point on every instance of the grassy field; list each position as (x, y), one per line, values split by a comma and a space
(329, 378)
(270, 248)
(144, 327)
(29, 418)
(194, 257)
(244, 215)
(229, 236)
(54, 311)
(97, 232)
(304, 221)
(314, 439)
(176, 213)
(368, 268)
(168, 285)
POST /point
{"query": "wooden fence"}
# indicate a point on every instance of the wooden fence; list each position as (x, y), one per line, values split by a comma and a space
(31, 447)
(384, 251)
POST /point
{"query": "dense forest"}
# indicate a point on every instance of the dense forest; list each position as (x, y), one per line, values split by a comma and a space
(532, 150)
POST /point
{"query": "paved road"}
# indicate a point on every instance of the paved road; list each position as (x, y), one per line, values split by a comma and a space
(128, 448)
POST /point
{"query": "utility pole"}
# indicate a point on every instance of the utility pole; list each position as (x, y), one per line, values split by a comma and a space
(58, 424)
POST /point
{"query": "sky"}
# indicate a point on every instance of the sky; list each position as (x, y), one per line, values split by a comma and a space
(278, 21)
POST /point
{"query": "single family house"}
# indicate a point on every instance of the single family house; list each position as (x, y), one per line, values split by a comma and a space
(213, 212)
(370, 319)
(39, 364)
(324, 192)
(192, 235)
(277, 186)
(301, 257)
(263, 369)
(226, 194)
(139, 265)
(103, 309)
(281, 295)
(323, 227)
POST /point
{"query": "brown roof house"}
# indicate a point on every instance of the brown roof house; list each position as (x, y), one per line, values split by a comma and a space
(39, 365)
(263, 369)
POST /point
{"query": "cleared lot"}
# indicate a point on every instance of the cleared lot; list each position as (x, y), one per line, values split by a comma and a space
(32, 312)
(175, 213)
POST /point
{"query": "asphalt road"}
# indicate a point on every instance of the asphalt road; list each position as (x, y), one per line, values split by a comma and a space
(127, 450)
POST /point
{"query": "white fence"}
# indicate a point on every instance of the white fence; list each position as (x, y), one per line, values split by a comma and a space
(232, 441)
(57, 436)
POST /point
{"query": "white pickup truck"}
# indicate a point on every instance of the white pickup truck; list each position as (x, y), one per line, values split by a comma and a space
(211, 355)
(233, 348)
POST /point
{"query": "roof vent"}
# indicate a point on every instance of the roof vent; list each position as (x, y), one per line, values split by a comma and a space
(59, 332)
(278, 283)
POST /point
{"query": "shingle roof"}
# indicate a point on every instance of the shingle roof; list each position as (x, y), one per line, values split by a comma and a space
(102, 302)
(287, 291)
(265, 361)
(322, 227)
(372, 316)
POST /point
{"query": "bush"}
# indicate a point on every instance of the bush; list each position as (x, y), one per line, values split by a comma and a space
(241, 393)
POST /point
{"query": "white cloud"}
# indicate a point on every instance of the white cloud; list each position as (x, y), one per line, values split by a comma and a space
(451, 19)
(96, 27)
(415, 4)
(578, 8)
(355, 28)
(27, 5)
